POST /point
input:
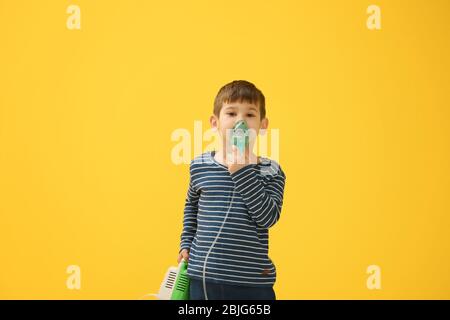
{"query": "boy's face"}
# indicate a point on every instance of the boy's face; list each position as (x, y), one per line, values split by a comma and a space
(235, 111)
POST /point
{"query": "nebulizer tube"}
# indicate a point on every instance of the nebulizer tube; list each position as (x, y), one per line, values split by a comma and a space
(212, 245)
(239, 138)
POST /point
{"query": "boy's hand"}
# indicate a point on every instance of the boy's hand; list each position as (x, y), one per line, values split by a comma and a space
(239, 160)
(183, 254)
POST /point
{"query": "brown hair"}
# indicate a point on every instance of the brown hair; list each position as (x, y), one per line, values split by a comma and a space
(240, 90)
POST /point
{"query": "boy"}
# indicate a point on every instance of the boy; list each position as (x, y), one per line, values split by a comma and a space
(232, 201)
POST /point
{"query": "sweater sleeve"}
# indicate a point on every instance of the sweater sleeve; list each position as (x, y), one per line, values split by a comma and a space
(264, 202)
(190, 215)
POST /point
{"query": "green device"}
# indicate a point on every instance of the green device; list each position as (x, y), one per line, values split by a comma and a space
(175, 285)
(240, 135)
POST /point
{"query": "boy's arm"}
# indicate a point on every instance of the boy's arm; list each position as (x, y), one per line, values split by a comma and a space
(263, 203)
(190, 216)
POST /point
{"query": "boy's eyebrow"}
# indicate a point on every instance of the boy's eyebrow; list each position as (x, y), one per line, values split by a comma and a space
(234, 107)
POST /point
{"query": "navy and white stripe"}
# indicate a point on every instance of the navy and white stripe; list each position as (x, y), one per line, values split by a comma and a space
(240, 254)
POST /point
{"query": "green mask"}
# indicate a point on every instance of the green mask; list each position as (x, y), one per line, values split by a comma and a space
(240, 135)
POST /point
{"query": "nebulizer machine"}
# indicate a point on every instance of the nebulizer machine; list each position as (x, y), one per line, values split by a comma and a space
(175, 285)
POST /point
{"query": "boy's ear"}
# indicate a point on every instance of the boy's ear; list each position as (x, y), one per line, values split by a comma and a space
(214, 122)
(264, 125)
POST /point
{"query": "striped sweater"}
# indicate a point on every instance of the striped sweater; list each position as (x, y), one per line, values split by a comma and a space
(240, 253)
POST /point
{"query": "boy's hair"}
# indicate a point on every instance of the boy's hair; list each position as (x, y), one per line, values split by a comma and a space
(240, 90)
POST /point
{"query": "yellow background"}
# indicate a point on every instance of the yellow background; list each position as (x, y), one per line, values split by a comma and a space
(86, 117)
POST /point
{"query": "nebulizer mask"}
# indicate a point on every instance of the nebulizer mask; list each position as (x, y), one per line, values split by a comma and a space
(240, 136)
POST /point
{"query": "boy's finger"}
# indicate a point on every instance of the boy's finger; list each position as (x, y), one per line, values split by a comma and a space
(237, 153)
(234, 154)
(241, 157)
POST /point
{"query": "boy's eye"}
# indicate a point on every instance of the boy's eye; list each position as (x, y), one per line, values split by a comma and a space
(251, 115)
(231, 113)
